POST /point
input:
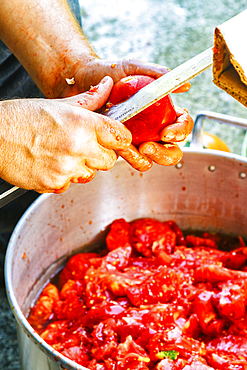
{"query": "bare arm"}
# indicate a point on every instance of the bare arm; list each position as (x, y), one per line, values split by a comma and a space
(46, 39)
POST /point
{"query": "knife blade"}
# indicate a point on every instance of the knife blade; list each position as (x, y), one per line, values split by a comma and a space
(161, 87)
(143, 99)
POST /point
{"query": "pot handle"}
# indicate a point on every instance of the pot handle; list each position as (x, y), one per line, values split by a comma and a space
(197, 134)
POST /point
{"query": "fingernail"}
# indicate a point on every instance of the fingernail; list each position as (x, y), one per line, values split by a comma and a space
(104, 80)
(169, 136)
(169, 145)
(149, 149)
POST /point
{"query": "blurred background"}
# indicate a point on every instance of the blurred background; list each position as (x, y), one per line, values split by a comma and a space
(169, 33)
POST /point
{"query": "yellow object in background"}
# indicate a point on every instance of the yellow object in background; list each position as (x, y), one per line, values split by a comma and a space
(211, 141)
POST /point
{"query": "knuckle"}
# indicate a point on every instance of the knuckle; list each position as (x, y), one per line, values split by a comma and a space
(105, 161)
(73, 142)
(57, 174)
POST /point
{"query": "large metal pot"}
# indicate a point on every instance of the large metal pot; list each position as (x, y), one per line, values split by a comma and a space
(206, 191)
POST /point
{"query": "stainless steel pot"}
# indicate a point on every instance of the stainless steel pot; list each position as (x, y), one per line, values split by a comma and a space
(206, 191)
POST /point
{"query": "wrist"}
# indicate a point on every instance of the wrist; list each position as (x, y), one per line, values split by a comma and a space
(66, 70)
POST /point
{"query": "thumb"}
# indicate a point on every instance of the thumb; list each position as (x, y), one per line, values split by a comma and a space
(94, 98)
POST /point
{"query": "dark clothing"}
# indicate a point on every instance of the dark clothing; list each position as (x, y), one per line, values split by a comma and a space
(16, 83)
(14, 79)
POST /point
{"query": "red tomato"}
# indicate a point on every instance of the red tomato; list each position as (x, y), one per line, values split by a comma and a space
(157, 300)
(148, 235)
(76, 354)
(76, 267)
(118, 235)
(146, 125)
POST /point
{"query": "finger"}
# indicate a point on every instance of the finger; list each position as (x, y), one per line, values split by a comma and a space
(137, 160)
(185, 87)
(135, 66)
(179, 130)
(164, 154)
(94, 98)
(63, 188)
(59, 190)
(112, 134)
(101, 158)
(121, 68)
(84, 175)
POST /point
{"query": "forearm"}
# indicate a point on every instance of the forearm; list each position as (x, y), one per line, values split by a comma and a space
(46, 39)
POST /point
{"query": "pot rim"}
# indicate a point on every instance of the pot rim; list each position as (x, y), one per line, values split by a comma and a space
(19, 316)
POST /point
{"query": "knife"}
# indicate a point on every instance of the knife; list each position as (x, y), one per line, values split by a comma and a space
(161, 87)
(148, 95)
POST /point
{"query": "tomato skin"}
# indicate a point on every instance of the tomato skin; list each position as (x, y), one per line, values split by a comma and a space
(225, 352)
(146, 125)
(71, 304)
(171, 365)
(76, 267)
(43, 309)
(149, 236)
(101, 313)
(160, 287)
(231, 300)
(128, 86)
(119, 257)
(180, 239)
(76, 354)
(118, 235)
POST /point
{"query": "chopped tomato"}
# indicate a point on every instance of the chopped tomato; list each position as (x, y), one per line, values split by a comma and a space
(155, 300)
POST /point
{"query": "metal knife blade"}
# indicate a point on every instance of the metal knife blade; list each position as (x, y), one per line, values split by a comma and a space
(161, 87)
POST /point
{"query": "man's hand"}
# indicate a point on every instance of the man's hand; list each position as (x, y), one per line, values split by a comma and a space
(86, 75)
(167, 153)
(141, 158)
(47, 144)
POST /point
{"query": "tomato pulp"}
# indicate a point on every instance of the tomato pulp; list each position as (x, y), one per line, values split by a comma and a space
(154, 300)
(146, 125)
